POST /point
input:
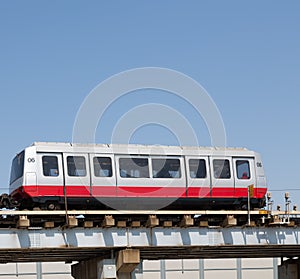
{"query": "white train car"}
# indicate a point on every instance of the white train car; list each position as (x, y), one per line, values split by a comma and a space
(51, 175)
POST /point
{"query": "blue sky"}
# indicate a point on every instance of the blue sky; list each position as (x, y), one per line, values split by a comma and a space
(246, 55)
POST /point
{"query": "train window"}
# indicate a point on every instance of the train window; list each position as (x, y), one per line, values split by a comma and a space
(102, 166)
(166, 168)
(50, 166)
(243, 169)
(76, 166)
(17, 167)
(134, 167)
(221, 169)
(197, 168)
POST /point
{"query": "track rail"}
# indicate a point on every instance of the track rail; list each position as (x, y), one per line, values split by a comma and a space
(25, 219)
(139, 212)
(148, 212)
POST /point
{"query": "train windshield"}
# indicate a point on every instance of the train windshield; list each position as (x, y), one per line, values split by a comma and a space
(17, 167)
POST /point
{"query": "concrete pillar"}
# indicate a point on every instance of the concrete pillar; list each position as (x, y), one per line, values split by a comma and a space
(85, 269)
(127, 260)
(107, 269)
(124, 275)
(120, 268)
(289, 269)
(94, 269)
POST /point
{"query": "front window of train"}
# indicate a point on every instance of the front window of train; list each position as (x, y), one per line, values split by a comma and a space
(17, 167)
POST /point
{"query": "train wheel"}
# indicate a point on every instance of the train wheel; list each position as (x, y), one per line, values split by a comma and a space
(53, 206)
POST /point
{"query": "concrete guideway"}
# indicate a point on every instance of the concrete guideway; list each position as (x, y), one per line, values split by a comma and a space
(139, 218)
(110, 244)
(17, 245)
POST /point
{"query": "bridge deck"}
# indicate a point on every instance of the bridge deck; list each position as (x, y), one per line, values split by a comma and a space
(57, 244)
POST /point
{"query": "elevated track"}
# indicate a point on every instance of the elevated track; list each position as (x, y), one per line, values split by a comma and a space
(78, 244)
(35, 235)
(139, 218)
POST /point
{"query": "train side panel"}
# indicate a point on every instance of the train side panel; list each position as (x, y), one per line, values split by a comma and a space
(17, 172)
(85, 179)
(150, 176)
(261, 180)
(23, 184)
(103, 175)
(50, 174)
(198, 176)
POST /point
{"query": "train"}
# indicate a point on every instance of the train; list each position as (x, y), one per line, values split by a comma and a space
(56, 176)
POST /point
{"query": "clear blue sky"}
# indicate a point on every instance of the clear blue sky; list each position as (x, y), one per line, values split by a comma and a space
(246, 55)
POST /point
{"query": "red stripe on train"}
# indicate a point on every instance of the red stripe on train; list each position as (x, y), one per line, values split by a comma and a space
(153, 192)
(133, 191)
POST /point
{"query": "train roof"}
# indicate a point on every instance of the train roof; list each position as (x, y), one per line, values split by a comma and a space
(139, 149)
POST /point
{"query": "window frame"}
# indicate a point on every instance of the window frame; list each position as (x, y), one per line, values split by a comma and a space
(220, 176)
(94, 167)
(132, 158)
(17, 173)
(57, 165)
(68, 166)
(249, 176)
(154, 176)
(189, 168)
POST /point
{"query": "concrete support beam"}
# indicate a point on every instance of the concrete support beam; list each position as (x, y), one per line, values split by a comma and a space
(49, 225)
(108, 221)
(77, 244)
(72, 222)
(127, 260)
(135, 224)
(88, 224)
(121, 224)
(152, 221)
(167, 224)
(203, 223)
(229, 221)
(23, 222)
(187, 221)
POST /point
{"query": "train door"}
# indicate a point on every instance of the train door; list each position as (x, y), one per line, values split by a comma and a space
(50, 176)
(77, 175)
(222, 177)
(244, 175)
(103, 177)
(133, 178)
(198, 176)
